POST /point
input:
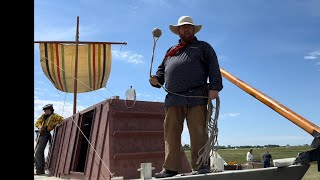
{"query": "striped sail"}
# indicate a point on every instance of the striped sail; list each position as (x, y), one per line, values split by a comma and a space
(94, 65)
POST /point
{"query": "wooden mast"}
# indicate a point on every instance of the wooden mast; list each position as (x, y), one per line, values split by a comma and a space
(76, 70)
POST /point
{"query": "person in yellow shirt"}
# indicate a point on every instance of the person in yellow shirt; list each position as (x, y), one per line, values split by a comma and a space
(46, 123)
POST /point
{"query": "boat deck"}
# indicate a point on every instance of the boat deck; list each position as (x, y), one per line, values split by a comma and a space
(293, 172)
(45, 177)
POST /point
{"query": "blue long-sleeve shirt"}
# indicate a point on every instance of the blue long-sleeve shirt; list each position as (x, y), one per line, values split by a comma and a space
(187, 72)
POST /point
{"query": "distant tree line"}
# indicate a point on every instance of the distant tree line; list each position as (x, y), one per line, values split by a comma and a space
(187, 146)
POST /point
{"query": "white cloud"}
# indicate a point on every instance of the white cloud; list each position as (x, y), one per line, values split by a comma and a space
(226, 115)
(64, 109)
(40, 91)
(313, 55)
(310, 57)
(128, 56)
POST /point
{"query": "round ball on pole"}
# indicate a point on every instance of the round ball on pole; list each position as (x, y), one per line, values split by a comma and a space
(156, 32)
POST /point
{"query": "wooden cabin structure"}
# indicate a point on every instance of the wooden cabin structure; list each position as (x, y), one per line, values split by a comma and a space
(115, 141)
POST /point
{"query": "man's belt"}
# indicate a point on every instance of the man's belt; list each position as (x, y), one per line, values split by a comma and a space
(204, 90)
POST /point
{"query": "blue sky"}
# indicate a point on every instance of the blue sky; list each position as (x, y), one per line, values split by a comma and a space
(272, 45)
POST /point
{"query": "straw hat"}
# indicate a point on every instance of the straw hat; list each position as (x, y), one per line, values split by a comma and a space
(184, 20)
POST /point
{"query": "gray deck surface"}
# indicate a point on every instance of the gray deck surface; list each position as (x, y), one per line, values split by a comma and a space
(293, 173)
(45, 177)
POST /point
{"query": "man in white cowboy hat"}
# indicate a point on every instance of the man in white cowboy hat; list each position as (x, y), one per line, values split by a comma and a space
(185, 70)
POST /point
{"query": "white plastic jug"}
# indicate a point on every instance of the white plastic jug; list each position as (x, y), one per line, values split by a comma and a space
(218, 164)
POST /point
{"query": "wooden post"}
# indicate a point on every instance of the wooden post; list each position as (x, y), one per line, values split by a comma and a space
(76, 71)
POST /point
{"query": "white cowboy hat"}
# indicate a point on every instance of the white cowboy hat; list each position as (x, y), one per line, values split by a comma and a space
(184, 20)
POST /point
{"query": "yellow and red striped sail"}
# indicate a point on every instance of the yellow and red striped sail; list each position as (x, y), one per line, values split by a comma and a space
(94, 65)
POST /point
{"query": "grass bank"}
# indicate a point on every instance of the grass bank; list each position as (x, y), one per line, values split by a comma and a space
(239, 155)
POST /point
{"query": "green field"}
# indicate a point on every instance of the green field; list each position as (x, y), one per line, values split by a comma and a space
(239, 155)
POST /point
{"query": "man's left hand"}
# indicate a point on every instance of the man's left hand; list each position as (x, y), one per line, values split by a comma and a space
(213, 94)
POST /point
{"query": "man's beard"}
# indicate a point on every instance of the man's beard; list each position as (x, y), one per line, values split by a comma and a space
(187, 38)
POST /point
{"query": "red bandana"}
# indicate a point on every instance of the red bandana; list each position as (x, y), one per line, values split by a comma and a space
(175, 50)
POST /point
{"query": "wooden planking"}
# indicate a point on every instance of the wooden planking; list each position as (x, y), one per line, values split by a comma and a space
(106, 168)
(77, 145)
(93, 141)
(130, 134)
(140, 155)
(57, 149)
(138, 114)
(73, 130)
(62, 149)
(99, 148)
(61, 132)
(67, 146)
(53, 151)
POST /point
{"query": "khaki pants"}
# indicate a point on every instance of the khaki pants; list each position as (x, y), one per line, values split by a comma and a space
(173, 126)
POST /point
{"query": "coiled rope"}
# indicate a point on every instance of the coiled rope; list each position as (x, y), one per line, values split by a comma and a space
(212, 143)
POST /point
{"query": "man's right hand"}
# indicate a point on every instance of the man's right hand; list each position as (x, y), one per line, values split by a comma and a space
(153, 80)
(213, 94)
